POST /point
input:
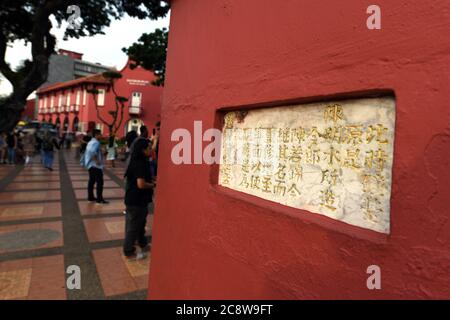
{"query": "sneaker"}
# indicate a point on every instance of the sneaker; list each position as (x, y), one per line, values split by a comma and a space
(102, 202)
(131, 256)
(124, 211)
(141, 256)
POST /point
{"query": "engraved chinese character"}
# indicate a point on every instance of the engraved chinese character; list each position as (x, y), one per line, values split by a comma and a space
(283, 152)
(328, 199)
(334, 113)
(376, 131)
(299, 134)
(312, 155)
(370, 205)
(254, 184)
(375, 158)
(284, 135)
(333, 154)
(279, 188)
(296, 154)
(330, 176)
(352, 159)
(296, 173)
(244, 181)
(267, 184)
(333, 134)
(293, 191)
(281, 172)
(353, 134)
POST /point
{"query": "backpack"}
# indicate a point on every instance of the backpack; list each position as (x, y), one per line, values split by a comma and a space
(47, 145)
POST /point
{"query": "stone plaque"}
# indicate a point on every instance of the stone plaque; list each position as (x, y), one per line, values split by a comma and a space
(332, 158)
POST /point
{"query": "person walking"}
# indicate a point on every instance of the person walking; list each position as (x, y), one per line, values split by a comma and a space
(129, 138)
(11, 142)
(49, 143)
(29, 146)
(93, 159)
(138, 196)
(144, 135)
(111, 151)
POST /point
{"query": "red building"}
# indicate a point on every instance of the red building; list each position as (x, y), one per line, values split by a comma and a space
(29, 111)
(72, 108)
(215, 243)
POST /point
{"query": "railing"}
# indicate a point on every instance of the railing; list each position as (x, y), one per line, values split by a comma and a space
(135, 110)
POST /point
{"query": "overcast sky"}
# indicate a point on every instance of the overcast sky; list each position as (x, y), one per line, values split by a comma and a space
(105, 49)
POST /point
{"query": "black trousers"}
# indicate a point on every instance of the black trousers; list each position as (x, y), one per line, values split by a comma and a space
(95, 178)
(135, 221)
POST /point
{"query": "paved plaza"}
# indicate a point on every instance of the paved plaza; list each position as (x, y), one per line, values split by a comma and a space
(47, 224)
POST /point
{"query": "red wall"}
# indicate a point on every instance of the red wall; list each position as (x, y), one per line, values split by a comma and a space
(212, 243)
(28, 112)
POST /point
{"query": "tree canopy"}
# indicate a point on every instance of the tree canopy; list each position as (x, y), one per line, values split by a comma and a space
(29, 20)
(150, 52)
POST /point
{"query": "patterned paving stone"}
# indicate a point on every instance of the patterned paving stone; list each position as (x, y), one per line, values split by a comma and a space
(33, 278)
(83, 184)
(117, 274)
(29, 211)
(33, 185)
(29, 196)
(108, 193)
(27, 239)
(114, 206)
(15, 284)
(30, 236)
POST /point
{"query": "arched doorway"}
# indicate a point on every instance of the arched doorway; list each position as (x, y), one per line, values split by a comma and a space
(75, 124)
(133, 124)
(66, 124)
(58, 123)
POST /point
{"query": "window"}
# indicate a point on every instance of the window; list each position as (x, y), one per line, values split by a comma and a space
(84, 97)
(101, 97)
(78, 98)
(45, 102)
(68, 99)
(136, 99)
(99, 126)
(51, 102)
(60, 100)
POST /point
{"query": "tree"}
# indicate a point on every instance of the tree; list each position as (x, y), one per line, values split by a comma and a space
(29, 20)
(150, 52)
(117, 114)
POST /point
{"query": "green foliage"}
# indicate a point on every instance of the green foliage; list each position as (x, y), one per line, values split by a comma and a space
(121, 99)
(93, 91)
(150, 52)
(112, 75)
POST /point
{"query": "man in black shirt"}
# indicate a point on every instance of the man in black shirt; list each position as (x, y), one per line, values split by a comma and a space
(138, 195)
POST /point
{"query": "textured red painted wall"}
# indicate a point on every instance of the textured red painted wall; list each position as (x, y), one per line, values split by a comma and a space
(213, 243)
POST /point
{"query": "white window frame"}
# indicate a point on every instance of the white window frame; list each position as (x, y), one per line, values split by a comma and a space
(133, 99)
(68, 99)
(84, 97)
(101, 97)
(78, 98)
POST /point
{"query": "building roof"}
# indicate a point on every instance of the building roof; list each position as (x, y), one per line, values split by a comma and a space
(95, 78)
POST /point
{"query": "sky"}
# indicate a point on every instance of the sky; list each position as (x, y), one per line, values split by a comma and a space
(105, 49)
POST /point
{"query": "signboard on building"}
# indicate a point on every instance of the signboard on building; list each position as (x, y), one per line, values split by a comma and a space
(332, 158)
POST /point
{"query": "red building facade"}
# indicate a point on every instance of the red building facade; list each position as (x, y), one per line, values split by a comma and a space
(72, 108)
(210, 242)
